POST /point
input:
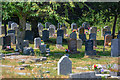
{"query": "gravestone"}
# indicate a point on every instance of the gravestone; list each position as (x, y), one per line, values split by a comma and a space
(51, 30)
(81, 30)
(45, 35)
(64, 66)
(73, 35)
(47, 24)
(11, 31)
(107, 40)
(89, 48)
(83, 37)
(37, 42)
(59, 40)
(5, 41)
(28, 26)
(9, 24)
(42, 48)
(79, 43)
(2, 30)
(108, 28)
(13, 38)
(86, 25)
(60, 33)
(103, 32)
(40, 28)
(13, 26)
(72, 45)
(115, 48)
(92, 36)
(28, 51)
(25, 43)
(73, 26)
(93, 30)
(29, 35)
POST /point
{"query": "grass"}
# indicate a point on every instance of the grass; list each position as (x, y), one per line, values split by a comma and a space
(78, 60)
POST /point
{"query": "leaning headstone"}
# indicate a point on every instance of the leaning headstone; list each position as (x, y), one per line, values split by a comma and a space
(2, 30)
(86, 25)
(115, 48)
(89, 48)
(59, 40)
(93, 30)
(29, 35)
(79, 43)
(28, 51)
(45, 35)
(28, 26)
(60, 33)
(47, 24)
(37, 42)
(73, 35)
(13, 26)
(13, 38)
(83, 37)
(73, 26)
(42, 48)
(51, 30)
(26, 43)
(64, 66)
(72, 45)
(107, 40)
(11, 31)
(9, 24)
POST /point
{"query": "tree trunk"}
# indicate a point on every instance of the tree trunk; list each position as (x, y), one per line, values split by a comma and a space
(114, 26)
(34, 24)
(21, 33)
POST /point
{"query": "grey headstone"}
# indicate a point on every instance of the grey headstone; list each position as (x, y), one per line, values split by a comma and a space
(115, 48)
(73, 35)
(79, 43)
(37, 42)
(40, 26)
(28, 51)
(72, 45)
(59, 40)
(43, 48)
(51, 30)
(73, 26)
(60, 33)
(13, 26)
(28, 26)
(64, 66)
(92, 36)
(13, 38)
(45, 35)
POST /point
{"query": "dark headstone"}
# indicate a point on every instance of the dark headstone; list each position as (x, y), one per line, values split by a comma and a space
(83, 37)
(29, 35)
(60, 33)
(11, 31)
(45, 35)
(92, 36)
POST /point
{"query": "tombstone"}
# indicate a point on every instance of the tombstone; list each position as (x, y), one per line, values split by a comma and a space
(64, 66)
(47, 24)
(73, 26)
(13, 26)
(25, 43)
(83, 37)
(92, 36)
(108, 28)
(28, 51)
(28, 26)
(107, 40)
(73, 35)
(42, 48)
(60, 33)
(79, 43)
(9, 24)
(11, 31)
(59, 40)
(29, 35)
(5, 41)
(89, 48)
(45, 35)
(81, 30)
(13, 38)
(2, 30)
(37, 42)
(86, 25)
(103, 32)
(115, 48)
(93, 30)
(40, 26)
(51, 30)
(72, 45)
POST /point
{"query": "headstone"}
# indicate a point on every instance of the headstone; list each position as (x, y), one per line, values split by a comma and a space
(28, 51)
(37, 42)
(115, 48)
(108, 28)
(89, 48)
(11, 31)
(73, 26)
(60, 33)
(81, 30)
(51, 30)
(29, 35)
(83, 37)
(28, 26)
(47, 24)
(2, 30)
(43, 48)
(45, 35)
(107, 40)
(40, 26)
(73, 35)
(92, 36)
(13, 38)
(59, 40)
(13, 26)
(9, 24)
(86, 25)
(79, 43)
(72, 45)
(64, 66)
(93, 30)
(26, 43)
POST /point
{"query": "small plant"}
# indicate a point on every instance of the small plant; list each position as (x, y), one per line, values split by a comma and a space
(97, 67)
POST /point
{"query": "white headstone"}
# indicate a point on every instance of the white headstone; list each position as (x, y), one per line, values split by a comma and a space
(28, 26)
(13, 26)
(37, 42)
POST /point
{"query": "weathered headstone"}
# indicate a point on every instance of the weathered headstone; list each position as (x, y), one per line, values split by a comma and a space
(72, 45)
(115, 48)
(28, 51)
(73, 35)
(13, 26)
(13, 38)
(45, 35)
(79, 43)
(64, 66)
(93, 30)
(26, 43)
(73, 26)
(47, 24)
(89, 48)
(40, 26)
(86, 25)
(9, 24)
(83, 37)
(11, 31)
(60, 33)
(43, 48)
(51, 30)
(28, 26)
(37, 42)
(29, 35)
(92, 36)
(59, 40)
(107, 40)
(81, 30)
